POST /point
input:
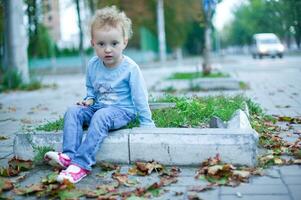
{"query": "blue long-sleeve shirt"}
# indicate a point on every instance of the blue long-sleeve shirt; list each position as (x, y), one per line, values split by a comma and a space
(122, 86)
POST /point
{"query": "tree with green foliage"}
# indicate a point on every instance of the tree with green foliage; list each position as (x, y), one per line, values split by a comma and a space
(278, 16)
(40, 42)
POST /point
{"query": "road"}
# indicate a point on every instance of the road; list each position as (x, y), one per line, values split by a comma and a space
(274, 83)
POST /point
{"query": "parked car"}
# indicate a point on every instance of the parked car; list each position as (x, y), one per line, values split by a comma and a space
(266, 44)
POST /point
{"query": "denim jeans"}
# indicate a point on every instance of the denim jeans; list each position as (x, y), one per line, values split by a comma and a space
(100, 121)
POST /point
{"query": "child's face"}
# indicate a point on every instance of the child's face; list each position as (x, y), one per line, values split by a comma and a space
(109, 44)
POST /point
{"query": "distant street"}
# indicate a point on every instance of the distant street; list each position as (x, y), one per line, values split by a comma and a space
(274, 83)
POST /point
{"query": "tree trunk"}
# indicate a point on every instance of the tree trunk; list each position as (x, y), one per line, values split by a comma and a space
(16, 41)
(207, 48)
(81, 38)
(161, 30)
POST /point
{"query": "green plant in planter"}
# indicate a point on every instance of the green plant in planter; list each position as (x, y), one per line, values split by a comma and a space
(193, 75)
(196, 111)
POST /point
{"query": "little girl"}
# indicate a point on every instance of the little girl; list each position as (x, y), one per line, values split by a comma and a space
(116, 94)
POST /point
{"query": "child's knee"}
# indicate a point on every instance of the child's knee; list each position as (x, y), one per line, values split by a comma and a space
(73, 110)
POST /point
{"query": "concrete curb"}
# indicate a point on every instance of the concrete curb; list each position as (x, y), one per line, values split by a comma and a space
(169, 146)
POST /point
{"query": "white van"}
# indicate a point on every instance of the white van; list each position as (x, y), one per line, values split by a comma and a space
(266, 44)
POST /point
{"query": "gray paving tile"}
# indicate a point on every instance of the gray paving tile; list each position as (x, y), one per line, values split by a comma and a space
(290, 170)
(256, 189)
(189, 181)
(264, 180)
(256, 197)
(272, 172)
(295, 191)
(185, 171)
(292, 180)
(173, 192)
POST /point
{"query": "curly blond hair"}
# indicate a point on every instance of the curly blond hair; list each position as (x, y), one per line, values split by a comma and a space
(113, 17)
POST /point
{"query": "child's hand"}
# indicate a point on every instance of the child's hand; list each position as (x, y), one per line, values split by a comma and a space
(87, 102)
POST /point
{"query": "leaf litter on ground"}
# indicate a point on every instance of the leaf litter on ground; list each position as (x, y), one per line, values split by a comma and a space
(15, 166)
(145, 168)
(5, 185)
(123, 179)
(219, 173)
(3, 137)
(108, 166)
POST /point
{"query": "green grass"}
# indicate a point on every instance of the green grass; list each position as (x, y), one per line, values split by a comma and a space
(12, 80)
(196, 111)
(243, 85)
(188, 112)
(52, 126)
(39, 153)
(193, 75)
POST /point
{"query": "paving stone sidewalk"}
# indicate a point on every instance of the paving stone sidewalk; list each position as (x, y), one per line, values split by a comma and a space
(25, 109)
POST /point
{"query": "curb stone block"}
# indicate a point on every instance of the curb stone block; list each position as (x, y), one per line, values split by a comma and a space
(189, 146)
(115, 148)
(239, 120)
(24, 144)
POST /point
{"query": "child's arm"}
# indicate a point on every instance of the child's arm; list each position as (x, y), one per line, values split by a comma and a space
(140, 98)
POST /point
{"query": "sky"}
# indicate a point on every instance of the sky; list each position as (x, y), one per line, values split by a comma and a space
(224, 14)
(69, 20)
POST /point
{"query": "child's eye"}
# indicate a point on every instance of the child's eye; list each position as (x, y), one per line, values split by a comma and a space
(101, 44)
(115, 44)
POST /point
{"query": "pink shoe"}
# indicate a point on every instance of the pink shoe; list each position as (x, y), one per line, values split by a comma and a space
(73, 174)
(57, 159)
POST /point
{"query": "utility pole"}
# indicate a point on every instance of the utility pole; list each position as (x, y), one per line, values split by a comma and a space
(16, 41)
(81, 38)
(161, 30)
(208, 6)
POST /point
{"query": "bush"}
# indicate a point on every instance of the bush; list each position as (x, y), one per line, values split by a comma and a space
(12, 80)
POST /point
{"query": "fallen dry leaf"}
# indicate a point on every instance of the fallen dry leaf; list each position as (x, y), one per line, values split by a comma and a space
(297, 161)
(143, 169)
(8, 172)
(3, 137)
(21, 165)
(242, 173)
(26, 121)
(278, 161)
(29, 189)
(108, 166)
(5, 185)
(292, 120)
(123, 179)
